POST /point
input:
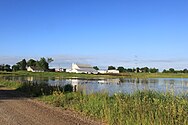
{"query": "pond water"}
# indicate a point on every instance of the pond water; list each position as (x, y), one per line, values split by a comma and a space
(125, 85)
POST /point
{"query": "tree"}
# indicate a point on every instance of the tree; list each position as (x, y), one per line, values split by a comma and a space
(121, 69)
(137, 69)
(145, 69)
(111, 67)
(96, 68)
(1, 67)
(129, 70)
(31, 62)
(185, 71)
(171, 70)
(49, 60)
(164, 71)
(42, 64)
(15, 68)
(153, 70)
(22, 64)
(7, 68)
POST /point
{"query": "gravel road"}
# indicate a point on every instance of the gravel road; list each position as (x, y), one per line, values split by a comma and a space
(15, 109)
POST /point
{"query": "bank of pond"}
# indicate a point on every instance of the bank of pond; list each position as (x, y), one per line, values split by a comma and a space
(139, 107)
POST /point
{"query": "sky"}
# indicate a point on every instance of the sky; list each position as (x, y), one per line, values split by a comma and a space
(129, 33)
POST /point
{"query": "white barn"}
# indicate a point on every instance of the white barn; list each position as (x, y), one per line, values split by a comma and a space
(83, 68)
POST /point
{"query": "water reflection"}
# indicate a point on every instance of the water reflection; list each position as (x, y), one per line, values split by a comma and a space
(124, 85)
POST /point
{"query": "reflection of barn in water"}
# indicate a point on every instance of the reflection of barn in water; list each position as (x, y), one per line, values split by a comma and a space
(74, 83)
(30, 79)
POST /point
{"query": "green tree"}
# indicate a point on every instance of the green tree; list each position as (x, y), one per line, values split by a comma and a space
(171, 70)
(145, 69)
(164, 71)
(137, 70)
(96, 68)
(22, 64)
(129, 70)
(7, 68)
(42, 64)
(49, 60)
(31, 62)
(111, 67)
(1, 67)
(185, 71)
(15, 68)
(121, 69)
(153, 70)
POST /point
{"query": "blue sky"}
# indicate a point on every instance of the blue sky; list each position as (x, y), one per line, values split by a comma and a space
(130, 33)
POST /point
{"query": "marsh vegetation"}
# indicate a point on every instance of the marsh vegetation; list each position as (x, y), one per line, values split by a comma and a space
(141, 107)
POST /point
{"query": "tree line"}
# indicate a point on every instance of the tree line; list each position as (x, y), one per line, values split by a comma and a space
(42, 64)
(172, 70)
(143, 70)
(123, 70)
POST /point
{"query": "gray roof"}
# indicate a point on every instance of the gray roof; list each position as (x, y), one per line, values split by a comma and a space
(84, 66)
(35, 68)
(87, 70)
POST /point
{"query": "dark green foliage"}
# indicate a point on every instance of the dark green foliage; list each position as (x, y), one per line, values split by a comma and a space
(35, 89)
(5, 68)
(49, 60)
(145, 69)
(22, 64)
(121, 69)
(153, 70)
(68, 88)
(129, 70)
(96, 68)
(31, 62)
(111, 67)
(15, 68)
(42, 64)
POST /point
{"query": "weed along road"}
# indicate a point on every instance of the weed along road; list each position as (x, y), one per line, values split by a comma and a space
(15, 109)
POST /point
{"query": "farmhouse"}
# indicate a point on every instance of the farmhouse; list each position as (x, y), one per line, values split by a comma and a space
(33, 69)
(82, 68)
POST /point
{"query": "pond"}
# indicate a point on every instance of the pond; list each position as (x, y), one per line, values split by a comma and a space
(123, 85)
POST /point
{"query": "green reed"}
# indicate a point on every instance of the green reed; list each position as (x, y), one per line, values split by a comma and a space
(142, 107)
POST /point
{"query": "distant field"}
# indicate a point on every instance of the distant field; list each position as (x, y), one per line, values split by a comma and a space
(75, 75)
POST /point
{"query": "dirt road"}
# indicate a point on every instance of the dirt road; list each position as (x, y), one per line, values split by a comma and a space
(15, 109)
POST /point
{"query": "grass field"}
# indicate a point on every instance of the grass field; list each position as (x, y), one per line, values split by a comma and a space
(90, 76)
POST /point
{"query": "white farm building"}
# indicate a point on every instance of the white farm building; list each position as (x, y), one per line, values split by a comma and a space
(82, 68)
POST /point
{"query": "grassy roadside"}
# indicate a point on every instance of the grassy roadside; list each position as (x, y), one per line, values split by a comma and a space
(146, 107)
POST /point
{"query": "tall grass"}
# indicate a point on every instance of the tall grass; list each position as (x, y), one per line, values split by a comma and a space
(142, 107)
(10, 84)
(146, 107)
